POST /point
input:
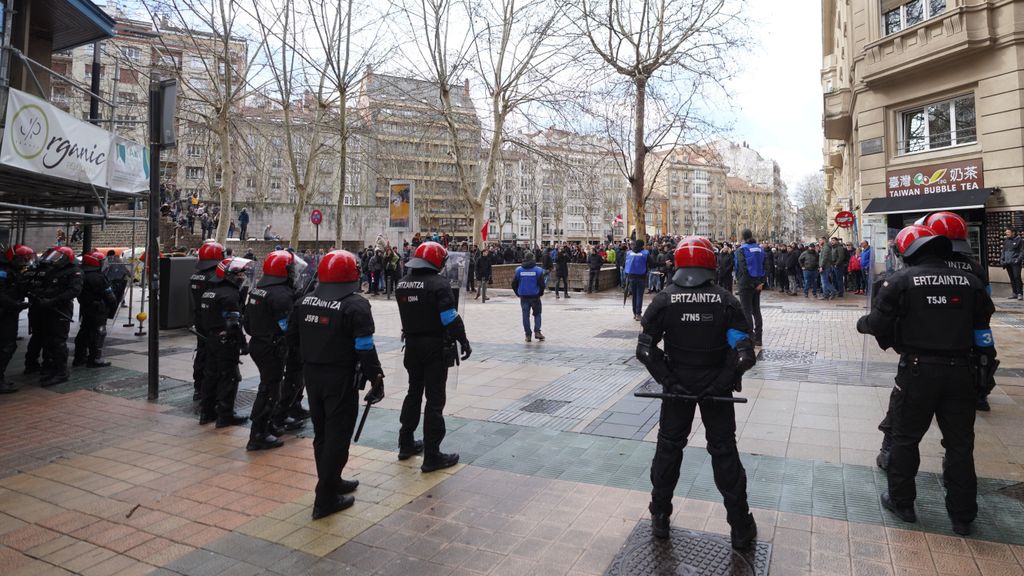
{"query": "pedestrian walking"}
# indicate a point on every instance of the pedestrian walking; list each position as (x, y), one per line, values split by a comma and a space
(935, 317)
(638, 260)
(483, 274)
(528, 285)
(1012, 257)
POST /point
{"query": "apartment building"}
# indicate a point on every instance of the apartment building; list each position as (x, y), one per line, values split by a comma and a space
(922, 112)
(689, 194)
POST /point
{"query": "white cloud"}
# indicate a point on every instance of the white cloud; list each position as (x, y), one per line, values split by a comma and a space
(778, 93)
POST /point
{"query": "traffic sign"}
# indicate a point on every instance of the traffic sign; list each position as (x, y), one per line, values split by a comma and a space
(316, 217)
(845, 219)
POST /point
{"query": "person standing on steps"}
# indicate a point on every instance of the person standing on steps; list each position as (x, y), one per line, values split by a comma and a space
(528, 285)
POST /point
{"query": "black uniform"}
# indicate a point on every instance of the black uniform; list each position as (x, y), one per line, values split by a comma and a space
(333, 336)
(935, 317)
(698, 325)
(32, 280)
(431, 324)
(96, 303)
(55, 302)
(12, 298)
(266, 320)
(221, 317)
(198, 283)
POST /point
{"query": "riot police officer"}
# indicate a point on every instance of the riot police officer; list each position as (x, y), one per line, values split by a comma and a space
(12, 301)
(431, 326)
(707, 349)
(936, 318)
(221, 316)
(32, 280)
(266, 320)
(210, 255)
(62, 283)
(96, 304)
(333, 328)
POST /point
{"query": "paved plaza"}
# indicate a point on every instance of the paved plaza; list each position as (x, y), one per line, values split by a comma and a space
(555, 448)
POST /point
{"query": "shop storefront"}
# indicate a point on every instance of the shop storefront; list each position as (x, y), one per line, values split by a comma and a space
(914, 191)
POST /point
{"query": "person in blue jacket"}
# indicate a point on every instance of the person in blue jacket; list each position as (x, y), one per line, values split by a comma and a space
(750, 277)
(528, 284)
(638, 261)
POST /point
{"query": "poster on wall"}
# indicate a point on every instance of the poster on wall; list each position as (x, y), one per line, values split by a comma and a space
(129, 166)
(400, 194)
(955, 176)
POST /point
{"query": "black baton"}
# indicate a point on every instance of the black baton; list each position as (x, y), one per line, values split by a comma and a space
(690, 397)
(362, 422)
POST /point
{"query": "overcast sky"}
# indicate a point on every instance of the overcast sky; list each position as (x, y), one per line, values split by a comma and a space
(778, 95)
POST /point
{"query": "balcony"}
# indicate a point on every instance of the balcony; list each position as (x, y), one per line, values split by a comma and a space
(957, 33)
(838, 118)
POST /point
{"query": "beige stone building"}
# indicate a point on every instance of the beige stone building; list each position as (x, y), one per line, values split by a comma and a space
(923, 108)
(689, 194)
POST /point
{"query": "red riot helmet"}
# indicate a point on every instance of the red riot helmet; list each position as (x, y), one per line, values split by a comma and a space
(19, 255)
(337, 275)
(234, 270)
(695, 262)
(280, 266)
(699, 240)
(60, 256)
(914, 237)
(950, 225)
(93, 260)
(210, 255)
(429, 255)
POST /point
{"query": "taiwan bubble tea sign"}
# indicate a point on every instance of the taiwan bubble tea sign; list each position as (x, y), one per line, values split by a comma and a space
(958, 176)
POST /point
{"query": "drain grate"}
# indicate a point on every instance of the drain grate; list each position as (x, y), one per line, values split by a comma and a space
(543, 406)
(245, 399)
(1015, 491)
(621, 334)
(123, 384)
(791, 356)
(686, 553)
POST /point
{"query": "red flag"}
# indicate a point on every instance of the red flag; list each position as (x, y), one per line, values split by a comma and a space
(483, 231)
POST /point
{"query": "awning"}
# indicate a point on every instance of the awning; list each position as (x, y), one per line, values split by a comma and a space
(71, 22)
(929, 202)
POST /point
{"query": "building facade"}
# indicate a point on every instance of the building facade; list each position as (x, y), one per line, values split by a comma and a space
(922, 112)
(689, 194)
(764, 174)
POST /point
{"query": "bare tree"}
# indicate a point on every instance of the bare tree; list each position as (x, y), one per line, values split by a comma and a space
(665, 54)
(511, 47)
(215, 82)
(813, 206)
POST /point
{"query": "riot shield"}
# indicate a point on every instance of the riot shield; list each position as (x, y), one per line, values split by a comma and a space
(456, 270)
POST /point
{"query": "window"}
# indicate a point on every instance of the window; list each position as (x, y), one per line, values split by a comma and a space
(250, 182)
(59, 94)
(195, 151)
(196, 63)
(194, 173)
(127, 98)
(275, 184)
(131, 53)
(898, 16)
(939, 125)
(347, 200)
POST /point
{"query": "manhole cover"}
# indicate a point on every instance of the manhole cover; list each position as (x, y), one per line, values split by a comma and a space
(1015, 491)
(123, 384)
(541, 406)
(793, 356)
(622, 334)
(686, 553)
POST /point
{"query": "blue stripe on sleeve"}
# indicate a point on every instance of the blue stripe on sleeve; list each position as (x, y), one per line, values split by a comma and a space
(988, 289)
(283, 324)
(983, 339)
(449, 316)
(735, 336)
(231, 314)
(364, 343)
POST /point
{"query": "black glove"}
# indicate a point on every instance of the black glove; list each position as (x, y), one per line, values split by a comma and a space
(727, 381)
(23, 305)
(862, 325)
(376, 393)
(466, 348)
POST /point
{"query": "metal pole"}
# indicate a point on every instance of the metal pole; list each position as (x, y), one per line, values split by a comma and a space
(131, 280)
(153, 246)
(94, 117)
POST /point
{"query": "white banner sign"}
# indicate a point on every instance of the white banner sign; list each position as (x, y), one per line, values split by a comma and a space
(46, 140)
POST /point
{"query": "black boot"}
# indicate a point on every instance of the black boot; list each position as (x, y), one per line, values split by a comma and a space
(97, 363)
(406, 451)
(743, 536)
(262, 442)
(289, 423)
(439, 461)
(962, 528)
(7, 387)
(348, 486)
(232, 419)
(78, 362)
(339, 503)
(661, 524)
(905, 513)
(53, 379)
(206, 417)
